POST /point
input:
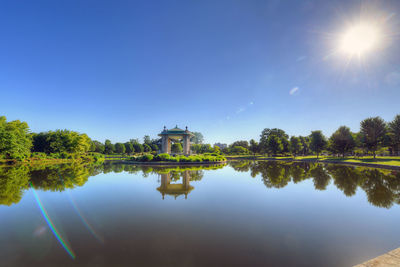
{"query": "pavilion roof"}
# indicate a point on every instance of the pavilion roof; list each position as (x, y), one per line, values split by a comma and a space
(175, 130)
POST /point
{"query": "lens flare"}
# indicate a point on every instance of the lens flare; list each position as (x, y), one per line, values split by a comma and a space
(51, 224)
(84, 221)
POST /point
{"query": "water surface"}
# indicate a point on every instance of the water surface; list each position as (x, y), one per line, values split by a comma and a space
(244, 214)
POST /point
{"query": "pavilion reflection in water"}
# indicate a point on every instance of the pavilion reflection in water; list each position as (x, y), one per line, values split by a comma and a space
(175, 189)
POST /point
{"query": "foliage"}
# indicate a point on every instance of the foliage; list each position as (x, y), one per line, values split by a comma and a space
(274, 145)
(15, 140)
(146, 148)
(129, 148)
(342, 141)
(59, 141)
(98, 147)
(108, 147)
(317, 142)
(254, 147)
(138, 147)
(241, 143)
(394, 133)
(197, 138)
(176, 148)
(120, 148)
(295, 145)
(271, 145)
(239, 150)
(373, 131)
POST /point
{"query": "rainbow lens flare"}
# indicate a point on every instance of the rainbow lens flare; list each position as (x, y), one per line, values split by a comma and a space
(51, 224)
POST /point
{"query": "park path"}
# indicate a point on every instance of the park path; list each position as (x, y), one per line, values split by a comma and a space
(392, 258)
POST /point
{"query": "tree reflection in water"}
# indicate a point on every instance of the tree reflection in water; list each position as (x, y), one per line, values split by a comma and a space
(381, 186)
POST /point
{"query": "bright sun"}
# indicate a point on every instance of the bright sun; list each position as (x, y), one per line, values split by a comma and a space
(359, 39)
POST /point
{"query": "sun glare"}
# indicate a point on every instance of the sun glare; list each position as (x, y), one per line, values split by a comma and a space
(359, 39)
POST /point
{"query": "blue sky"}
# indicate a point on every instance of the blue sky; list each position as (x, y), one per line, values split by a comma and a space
(228, 69)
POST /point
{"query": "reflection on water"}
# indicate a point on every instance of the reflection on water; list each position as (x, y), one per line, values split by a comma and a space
(245, 214)
(381, 186)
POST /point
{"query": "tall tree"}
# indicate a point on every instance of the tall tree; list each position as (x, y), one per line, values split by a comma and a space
(146, 148)
(394, 132)
(98, 147)
(119, 148)
(108, 147)
(342, 140)
(373, 132)
(146, 140)
(295, 145)
(274, 145)
(129, 148)
(15, 139)
(241, 143)
(138, 147)
(154, 147)
(254, 147)
(282, 136)
(305, 142)
(197, 138)
(317, 142)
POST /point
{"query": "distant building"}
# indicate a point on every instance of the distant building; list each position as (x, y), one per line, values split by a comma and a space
(221, 146)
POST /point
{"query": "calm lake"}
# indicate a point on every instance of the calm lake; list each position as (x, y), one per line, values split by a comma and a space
(242, 214)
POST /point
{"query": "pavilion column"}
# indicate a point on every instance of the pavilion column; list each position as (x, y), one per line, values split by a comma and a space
(168, 145)
(186, 179)
(186, 145)
(164, 144)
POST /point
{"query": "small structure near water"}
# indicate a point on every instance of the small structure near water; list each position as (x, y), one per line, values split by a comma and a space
(175, 134)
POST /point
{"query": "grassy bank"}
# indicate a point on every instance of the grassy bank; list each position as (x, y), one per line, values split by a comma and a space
(386, 161)
(55, 158)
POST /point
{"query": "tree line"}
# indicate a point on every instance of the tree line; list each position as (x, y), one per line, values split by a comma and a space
(375, 136)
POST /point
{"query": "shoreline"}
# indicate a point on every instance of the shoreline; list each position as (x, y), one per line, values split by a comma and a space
(166, 163)
(361, 164)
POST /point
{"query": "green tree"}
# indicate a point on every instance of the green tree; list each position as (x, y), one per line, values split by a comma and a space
(242, 143)
(98, 147)
(197, 138)
(119, 148)
(146, 140)
(129, 148)
(239, 150)
(394, 133)
(15, 139)
(154, 147)
(305, 142)
(146, 148)
(342, 141)
(138, 147)
(108, 147)
(176, 148)
(282, 136)
(373, 132)
(274, 145)
(196, 148)
(295, 145)
(254, 147)
(317, 142)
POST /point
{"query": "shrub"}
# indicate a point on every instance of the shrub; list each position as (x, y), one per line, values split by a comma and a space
(174, 159)
(145, 158)
(162, 157)
(39, 155)
(63, 155)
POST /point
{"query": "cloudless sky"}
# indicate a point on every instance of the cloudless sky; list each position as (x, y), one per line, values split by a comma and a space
(122, 69)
